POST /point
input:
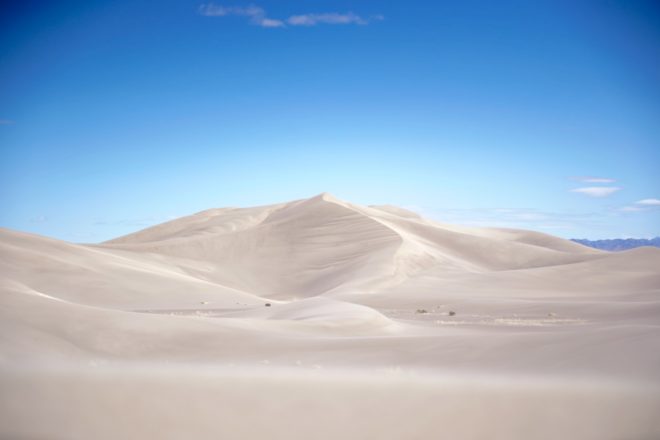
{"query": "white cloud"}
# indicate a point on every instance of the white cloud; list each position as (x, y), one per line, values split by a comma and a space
(257, 16)
(329, 18)
(642, 205)
(6, 122)
(648, 202)
(517, 218)
(589, 179)
(597, 191)
(271, 23)
(213, 10)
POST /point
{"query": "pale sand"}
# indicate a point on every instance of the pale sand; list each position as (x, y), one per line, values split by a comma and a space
(165, 334)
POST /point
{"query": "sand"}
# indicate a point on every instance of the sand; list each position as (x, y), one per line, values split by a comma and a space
(319, 318)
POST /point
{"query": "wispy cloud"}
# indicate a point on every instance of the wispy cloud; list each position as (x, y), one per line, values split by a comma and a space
(590, 179)
(642, 205)
(330, 18)
(6, 122)
(270, 23)
(213, 10)
(517, 218)
(648, 202)
(597, 191)
(257, 16)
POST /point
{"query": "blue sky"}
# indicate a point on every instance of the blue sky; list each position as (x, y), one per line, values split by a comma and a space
(116, 115)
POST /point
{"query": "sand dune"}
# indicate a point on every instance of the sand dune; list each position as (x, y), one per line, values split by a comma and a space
(93, 275)
(295, 310)
(331, 245)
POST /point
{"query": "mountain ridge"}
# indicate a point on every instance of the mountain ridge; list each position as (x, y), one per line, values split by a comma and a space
(618, 244)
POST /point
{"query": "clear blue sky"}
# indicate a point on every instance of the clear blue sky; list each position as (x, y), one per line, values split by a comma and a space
(115, 115)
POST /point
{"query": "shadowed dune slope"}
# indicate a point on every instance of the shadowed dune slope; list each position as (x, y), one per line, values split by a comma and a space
(104, 277)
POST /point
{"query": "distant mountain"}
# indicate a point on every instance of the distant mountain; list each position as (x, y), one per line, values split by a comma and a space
(619, 244)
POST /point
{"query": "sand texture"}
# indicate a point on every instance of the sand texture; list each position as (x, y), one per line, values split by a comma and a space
(322, 319)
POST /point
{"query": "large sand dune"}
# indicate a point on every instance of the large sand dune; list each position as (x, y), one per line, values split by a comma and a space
(319, 318)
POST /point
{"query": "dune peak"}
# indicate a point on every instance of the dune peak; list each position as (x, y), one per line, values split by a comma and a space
(328, 197)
